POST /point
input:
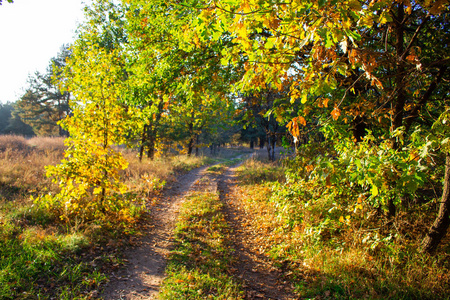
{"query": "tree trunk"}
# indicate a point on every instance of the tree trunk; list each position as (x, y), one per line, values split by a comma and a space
(143, 142)
(196, 146)
(274, 144)
(440, 225)
(397, 120)
(190, 146)
(151, 146)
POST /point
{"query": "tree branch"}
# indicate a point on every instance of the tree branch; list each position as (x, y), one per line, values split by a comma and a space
(415, 112)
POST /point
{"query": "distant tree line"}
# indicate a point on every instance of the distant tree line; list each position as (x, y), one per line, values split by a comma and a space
(42, 105)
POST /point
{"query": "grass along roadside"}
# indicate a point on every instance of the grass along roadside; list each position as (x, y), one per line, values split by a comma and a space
(199, 264)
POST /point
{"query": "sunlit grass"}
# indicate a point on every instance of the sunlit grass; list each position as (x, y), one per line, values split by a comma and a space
(40, 263)
(256, 170)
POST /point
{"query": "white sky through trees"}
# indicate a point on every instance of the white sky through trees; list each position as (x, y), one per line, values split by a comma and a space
(31, 33)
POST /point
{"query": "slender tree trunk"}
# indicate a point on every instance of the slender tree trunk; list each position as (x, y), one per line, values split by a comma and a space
(274, 144)
(196, 146)
(399, 106)
(105, 172)
(440, 225)
(190, 146)
(268, 146)
(143, 142)
(191, 139)
(397, 120)
(151, 146)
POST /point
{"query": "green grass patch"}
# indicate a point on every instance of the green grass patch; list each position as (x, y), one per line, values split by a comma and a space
(255, 171)
(226, 157)
(186, 163)
(198, 266)
(222, 166)
(39, 264)
(41, 258)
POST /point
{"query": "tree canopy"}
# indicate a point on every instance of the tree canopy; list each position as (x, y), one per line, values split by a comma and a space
(360, 86)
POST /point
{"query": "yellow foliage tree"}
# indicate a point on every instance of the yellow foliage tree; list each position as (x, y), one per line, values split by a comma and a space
(89, 175)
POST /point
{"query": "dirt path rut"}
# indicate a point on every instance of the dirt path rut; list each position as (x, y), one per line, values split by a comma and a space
(146, 264)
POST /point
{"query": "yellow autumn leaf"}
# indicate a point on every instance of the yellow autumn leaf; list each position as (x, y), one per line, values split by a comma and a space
(304, 98)
(324, 103)
(411, 58)
(242, 30)
(292, 126)
(347, 24)
(274, 22)
(245, 7)
(97, 190)
(384, 18)
(374, 191)
(409, 9)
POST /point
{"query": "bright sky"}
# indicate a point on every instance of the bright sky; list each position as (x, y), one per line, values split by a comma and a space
(31, 33)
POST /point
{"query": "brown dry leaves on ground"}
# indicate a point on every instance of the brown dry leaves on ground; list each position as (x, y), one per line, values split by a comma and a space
(261, 278)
